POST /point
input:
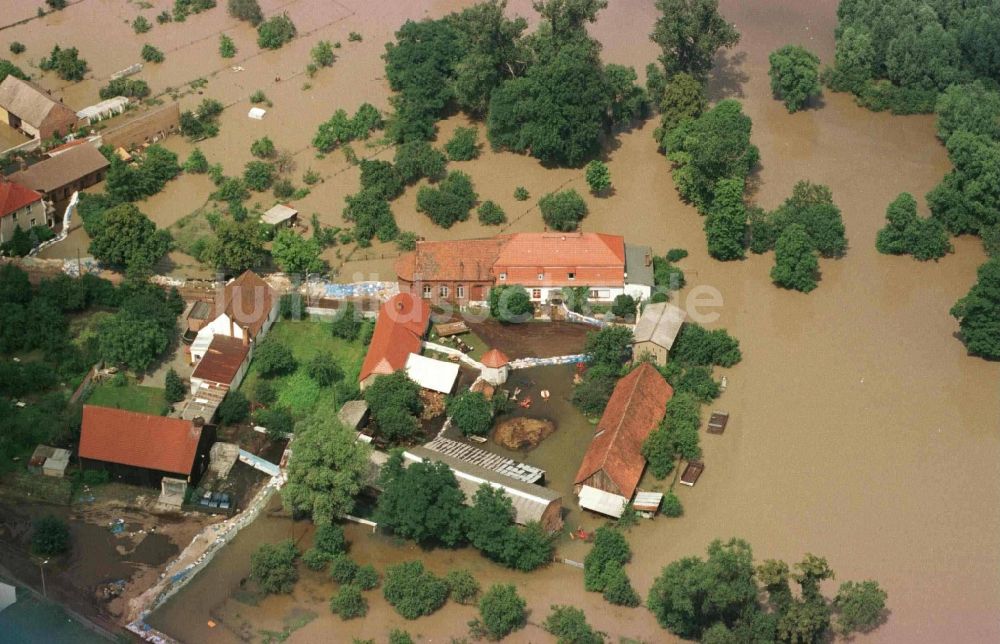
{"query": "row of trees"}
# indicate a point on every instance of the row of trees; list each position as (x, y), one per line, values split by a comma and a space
(545, 93)
(423, 502)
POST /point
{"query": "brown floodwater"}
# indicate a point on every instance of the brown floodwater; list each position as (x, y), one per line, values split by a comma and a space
(860, 431)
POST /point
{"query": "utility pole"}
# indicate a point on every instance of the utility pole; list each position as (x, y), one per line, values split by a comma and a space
(41, 568)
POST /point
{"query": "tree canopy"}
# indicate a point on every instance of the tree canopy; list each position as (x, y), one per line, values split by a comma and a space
(510, 304)
(795, 263)
(421, 502)
(563, 210)
(907, 234)
(794, 76)
(296, 254)
(394, 401)
(126, 238)
(689, 33)
(471, 412)
(978, 312)
(272, 566)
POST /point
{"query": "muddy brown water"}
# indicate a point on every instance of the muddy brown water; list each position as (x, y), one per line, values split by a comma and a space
(860, 429)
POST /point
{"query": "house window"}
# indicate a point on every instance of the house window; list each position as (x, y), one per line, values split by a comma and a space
(503, 276)
(443, 291)
(541, 276)
(571, 276)
(536, 293)
(595, 294)
(460, 291)
(427, 291)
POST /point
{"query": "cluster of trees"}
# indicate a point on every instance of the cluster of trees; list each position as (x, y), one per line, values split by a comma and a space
(794, 76)
(202, 123)
(501, 612)
(449, 201)
(978, 312)
(471, 412)
(8, 68)
(129, 87)
(144, 326)
(341, 129)
(184, 8)
(607, 350)
(133, 182)
(123, 237)
(603, 568)
(463, 145)
(247, 10)
(807, 224)
(907, 234)
(900, 55)
(66, 63)
(510, 304)
(718, 599)
(545, 93)
(274, 32)
(394, 401)
(423, 502)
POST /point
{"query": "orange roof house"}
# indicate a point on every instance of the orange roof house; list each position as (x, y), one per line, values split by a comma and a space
(562, 259)
(399, 329)
(249, 302)
(20, 207)
(614, 462)
(141, 447)
(224, 363)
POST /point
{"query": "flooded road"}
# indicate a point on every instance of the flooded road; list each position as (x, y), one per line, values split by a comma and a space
(860, 431)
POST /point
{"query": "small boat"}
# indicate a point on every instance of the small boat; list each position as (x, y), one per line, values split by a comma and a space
(724, 383)
(526, 402)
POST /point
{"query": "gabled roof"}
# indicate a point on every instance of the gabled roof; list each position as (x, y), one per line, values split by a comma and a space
(139, 440)
(636, 407)
(468, 259)
(14, 196)
(29, 102)
(494, 359)
(278, 213)
(62, 169)
(222, 360)
(563, 249)
(401, 323)
(660, 324)
(248, 301)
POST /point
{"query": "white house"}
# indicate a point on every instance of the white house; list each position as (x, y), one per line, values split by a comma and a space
(246, 309)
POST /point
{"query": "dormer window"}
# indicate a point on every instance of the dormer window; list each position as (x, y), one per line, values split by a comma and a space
(541, 276)
(503, 276)
(571, 276)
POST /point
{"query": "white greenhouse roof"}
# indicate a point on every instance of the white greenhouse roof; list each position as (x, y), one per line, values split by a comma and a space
(602, 502)
(436, 375)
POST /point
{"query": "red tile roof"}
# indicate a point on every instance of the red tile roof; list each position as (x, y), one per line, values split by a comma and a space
(248, 301)
(14, 196)
(139, 440)
(468, 259)
(563, 249)
(494, 358)
(401, 324)
(634, 410)
(222, 360)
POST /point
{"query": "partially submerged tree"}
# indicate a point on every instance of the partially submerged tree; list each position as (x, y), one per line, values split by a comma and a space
(689, 33)
(794, 76)
(421, 502)
(272, 566)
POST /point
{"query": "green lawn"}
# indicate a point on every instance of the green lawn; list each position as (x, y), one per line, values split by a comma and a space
(148, 400)
(307, 338)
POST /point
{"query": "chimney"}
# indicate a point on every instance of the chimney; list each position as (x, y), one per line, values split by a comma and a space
(246, 337)
(198, 422)
(232, 329)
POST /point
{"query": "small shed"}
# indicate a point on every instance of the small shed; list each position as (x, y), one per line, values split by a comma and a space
(280, 215)
(602, 502)
(656, 331)
(257, 113)
(436, 375)
(354, 414)
(647, 503)
(50, 461)
(496, 367)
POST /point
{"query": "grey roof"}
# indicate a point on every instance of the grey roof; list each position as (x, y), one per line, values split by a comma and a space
(529, 500)
(660, 324)
(278, 213)
(352, 413)
(636, 270)
(62, 169)
(27, 101)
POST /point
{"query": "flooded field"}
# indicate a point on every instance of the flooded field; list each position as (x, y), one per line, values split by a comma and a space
(860, 431)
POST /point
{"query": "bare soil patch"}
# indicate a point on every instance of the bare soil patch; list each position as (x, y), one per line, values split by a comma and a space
(522, 433)
(532, 339)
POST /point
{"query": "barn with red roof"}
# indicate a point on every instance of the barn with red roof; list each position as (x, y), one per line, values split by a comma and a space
(399, 331)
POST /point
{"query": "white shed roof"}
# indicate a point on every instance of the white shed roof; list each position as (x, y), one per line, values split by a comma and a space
(256, 113)
(436, 375)
(660, 324)
(280, 213)
(602, 502)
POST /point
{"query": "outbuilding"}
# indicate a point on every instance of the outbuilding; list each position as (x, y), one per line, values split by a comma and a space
(435, 375)
(656, 331)
(27, 107)
(280, 215)
(496, 367)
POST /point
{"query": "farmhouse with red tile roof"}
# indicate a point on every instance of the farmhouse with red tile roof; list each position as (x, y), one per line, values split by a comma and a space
(463, 271)
(399, 330)
(20, 207)
(614, 461)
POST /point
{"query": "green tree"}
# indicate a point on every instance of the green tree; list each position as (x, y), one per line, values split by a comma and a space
(696, 345)
(692, 594)
(795, 263)
(618, 590)
(971, 107)
(397, 636)
(236, 246)
(450, 201)
(323, 368)
(412, 590)
(234, 408)
(296, 254)
(671, 505)
(259, 175)
(489, 520)
(322, 54)
(174, 386)
(130, 87)
(609, 553)
(273, 358)
(978, 313)
(394, 401)
(658, 450)
(569, 626)
(794, 76)
(860, 606)
(689, 33)
(349, 602)
(598, 177)
(490, 214)
(227, 48)
(272, 566)
(804, 621)
(347, 324)
(726, 224)
(417, 159)
(471, 413)
(563, 210)
(510, 304)
(421, 502)
(50, 536)
(462, 586)
(196, 162)
(66, 63)
(372, 217)
(501, 611)
(629, 100)
(151, 54)
(275, 32)
(610, 346)
(381, 178)
(343, 569)
(623, 306)
(463, 145)
(593, 392)
(326, 471)
(141, 25)
(127, 238)
(8, 68)
(906, 233)
(278, 422)
(263, 148)
(521, 193)
(528, 548)
(248, 10)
